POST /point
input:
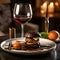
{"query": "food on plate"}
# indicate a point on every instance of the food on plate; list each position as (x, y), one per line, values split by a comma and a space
(44, 35)
(53, 35)
(32, 40)
(17, 45)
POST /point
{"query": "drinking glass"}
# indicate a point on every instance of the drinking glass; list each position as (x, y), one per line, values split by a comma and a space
(47, 19)
(22, 13)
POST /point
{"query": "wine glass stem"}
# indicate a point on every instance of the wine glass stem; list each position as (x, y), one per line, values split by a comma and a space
(22, 30)
(47, 24)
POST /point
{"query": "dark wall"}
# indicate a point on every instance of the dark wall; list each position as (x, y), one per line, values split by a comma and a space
(32, 2)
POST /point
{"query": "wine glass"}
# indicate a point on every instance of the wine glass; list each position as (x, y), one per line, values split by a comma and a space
(47, 19)
(22, 13)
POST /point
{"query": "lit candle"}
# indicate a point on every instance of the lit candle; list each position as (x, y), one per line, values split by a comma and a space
(51, 7)
(56, 4)
(43, 7)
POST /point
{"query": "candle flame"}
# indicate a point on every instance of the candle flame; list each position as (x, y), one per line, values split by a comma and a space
(56, 4)
(51, 4)
(51, 7)
(43, 7)
(45, 4)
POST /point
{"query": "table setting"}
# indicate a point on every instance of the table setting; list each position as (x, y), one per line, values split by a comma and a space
(48, 49)
(31, 45)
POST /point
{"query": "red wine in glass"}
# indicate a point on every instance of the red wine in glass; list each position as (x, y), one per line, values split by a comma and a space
(22, 13)
(21, 20)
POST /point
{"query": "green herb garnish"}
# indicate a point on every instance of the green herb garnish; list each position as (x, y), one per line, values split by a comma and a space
(44, 35)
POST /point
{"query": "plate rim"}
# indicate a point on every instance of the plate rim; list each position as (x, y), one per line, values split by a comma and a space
(29, 52)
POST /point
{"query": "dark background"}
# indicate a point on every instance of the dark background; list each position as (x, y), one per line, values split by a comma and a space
(38, 19)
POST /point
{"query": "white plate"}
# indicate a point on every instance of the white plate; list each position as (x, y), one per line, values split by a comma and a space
(44, 42)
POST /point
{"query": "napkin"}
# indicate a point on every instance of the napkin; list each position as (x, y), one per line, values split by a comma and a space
(1, 33)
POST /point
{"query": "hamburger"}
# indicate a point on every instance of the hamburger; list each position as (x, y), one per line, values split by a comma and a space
(32, 40)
